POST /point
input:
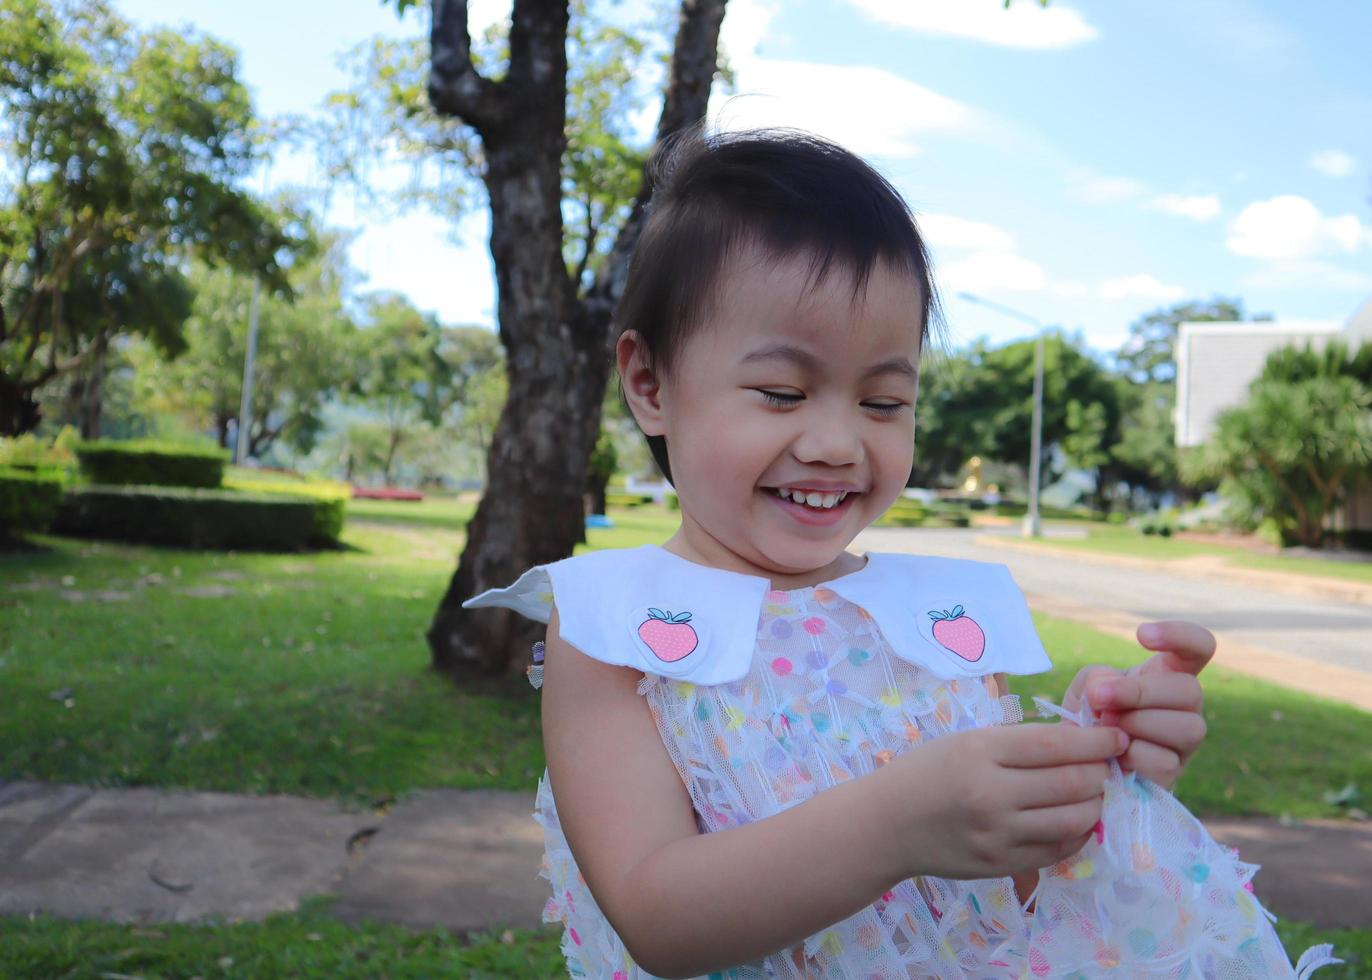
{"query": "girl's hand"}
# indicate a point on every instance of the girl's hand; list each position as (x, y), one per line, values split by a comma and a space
(991, 802)
(1157, 703)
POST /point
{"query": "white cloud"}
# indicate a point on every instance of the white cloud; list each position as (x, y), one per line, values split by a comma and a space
(1333, 163)
(991, 270)
(868, 110)
(1198, 207)
(1023, 25)
(950, 231)
(1309, 274)
(1140, 286)
(1290, 227)
(1092, 188)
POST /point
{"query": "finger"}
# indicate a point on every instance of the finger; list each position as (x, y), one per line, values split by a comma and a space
(1180, 731)
(1057, 786)
(1161, 765)
(1085, 679)
(1182, 646)
(1056, 824)
(1039, 746)
(1125, 693)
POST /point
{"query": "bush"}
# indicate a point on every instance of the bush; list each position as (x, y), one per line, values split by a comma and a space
(330, 502)
(904, 513)
(191, 518)
(29, 500)
(148, 463)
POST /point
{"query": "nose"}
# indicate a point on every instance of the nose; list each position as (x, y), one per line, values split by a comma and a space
(829, 436)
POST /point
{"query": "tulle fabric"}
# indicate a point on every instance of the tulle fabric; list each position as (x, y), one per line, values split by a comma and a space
(1151, 895)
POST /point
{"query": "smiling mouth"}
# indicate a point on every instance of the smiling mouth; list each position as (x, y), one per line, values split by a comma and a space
(815, 499)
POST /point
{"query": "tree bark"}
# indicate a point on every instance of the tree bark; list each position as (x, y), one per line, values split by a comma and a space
(557, 345)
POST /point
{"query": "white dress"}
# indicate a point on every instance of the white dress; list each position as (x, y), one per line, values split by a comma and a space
(764, 698)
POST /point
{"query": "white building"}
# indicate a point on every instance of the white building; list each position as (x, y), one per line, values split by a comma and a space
(1216, 362)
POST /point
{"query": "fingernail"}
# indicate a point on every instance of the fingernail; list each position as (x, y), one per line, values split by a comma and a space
(1122, 740)
(1150, 633)
(1106, 690)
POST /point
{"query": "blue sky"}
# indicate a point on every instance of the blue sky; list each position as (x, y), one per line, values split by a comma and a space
(1083, 164)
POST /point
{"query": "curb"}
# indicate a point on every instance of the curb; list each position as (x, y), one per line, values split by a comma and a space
(1201, 566)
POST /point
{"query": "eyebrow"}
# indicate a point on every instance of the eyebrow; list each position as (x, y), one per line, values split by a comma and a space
(809, 362)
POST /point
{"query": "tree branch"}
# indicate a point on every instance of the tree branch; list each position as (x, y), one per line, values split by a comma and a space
(695, 61)
(456, 88)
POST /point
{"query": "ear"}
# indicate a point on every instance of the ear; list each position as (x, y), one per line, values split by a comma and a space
(642, 390)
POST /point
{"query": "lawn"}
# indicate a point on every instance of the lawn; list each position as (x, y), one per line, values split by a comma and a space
(307, 674)
(1118, 540)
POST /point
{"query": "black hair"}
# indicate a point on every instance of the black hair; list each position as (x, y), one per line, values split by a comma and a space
(786, 192)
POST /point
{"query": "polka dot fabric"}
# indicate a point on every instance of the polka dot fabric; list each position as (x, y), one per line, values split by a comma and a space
(1152, 895)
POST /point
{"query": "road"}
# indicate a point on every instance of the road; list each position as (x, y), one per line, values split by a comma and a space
(1328, 632)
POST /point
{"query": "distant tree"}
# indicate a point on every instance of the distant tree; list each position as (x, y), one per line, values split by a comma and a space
(306, 352)
(399, 353)
(121, 153)
(1291, 453)
(1145, 457)
(980, 403)
(1149, 355)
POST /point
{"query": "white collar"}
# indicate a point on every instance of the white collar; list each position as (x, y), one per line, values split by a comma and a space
(657, 612)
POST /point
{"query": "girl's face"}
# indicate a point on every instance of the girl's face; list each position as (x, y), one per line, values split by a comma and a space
(789, 393)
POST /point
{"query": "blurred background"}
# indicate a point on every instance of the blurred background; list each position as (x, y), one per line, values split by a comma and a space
(276, 368)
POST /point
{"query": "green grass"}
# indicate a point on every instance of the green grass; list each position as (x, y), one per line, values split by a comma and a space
(441, 513)
(307, 943)
(1117, 540)
(289, 674)
(308, 674)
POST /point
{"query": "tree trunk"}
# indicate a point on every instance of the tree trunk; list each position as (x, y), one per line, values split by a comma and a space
(92, 390)
(557, 346)
(19, 411)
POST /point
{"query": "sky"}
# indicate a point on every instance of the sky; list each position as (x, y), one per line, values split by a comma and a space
(1081, 164)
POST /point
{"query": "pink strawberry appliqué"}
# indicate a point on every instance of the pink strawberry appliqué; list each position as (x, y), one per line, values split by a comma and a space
(960, 633)
(669, 637)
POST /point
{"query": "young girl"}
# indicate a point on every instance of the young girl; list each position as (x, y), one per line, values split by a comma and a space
(771, 757)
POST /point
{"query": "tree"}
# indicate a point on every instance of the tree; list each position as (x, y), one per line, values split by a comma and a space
(553, 309)
(1146, 455)
(306, 351)
(1305, 435)
(122, 153)
(398, 364)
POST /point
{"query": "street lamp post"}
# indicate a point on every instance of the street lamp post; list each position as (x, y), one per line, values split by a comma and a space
(244, 440)
(1033, 527)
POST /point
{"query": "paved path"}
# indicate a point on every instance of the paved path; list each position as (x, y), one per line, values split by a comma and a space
(464, 860)
(1317, 644)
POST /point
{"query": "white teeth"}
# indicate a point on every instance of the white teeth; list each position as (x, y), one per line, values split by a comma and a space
(821, 501)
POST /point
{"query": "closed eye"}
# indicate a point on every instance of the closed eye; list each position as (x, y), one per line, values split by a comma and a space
(884, 408)
(781, 399)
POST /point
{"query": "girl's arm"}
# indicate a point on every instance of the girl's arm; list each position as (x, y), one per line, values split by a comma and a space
(686, 903)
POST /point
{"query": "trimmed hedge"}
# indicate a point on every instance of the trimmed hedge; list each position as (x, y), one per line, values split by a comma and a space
(146, 463)
(330, 500)
(29, 500)
(191, 518)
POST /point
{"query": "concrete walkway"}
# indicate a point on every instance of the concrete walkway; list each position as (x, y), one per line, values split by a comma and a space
(464, 860)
